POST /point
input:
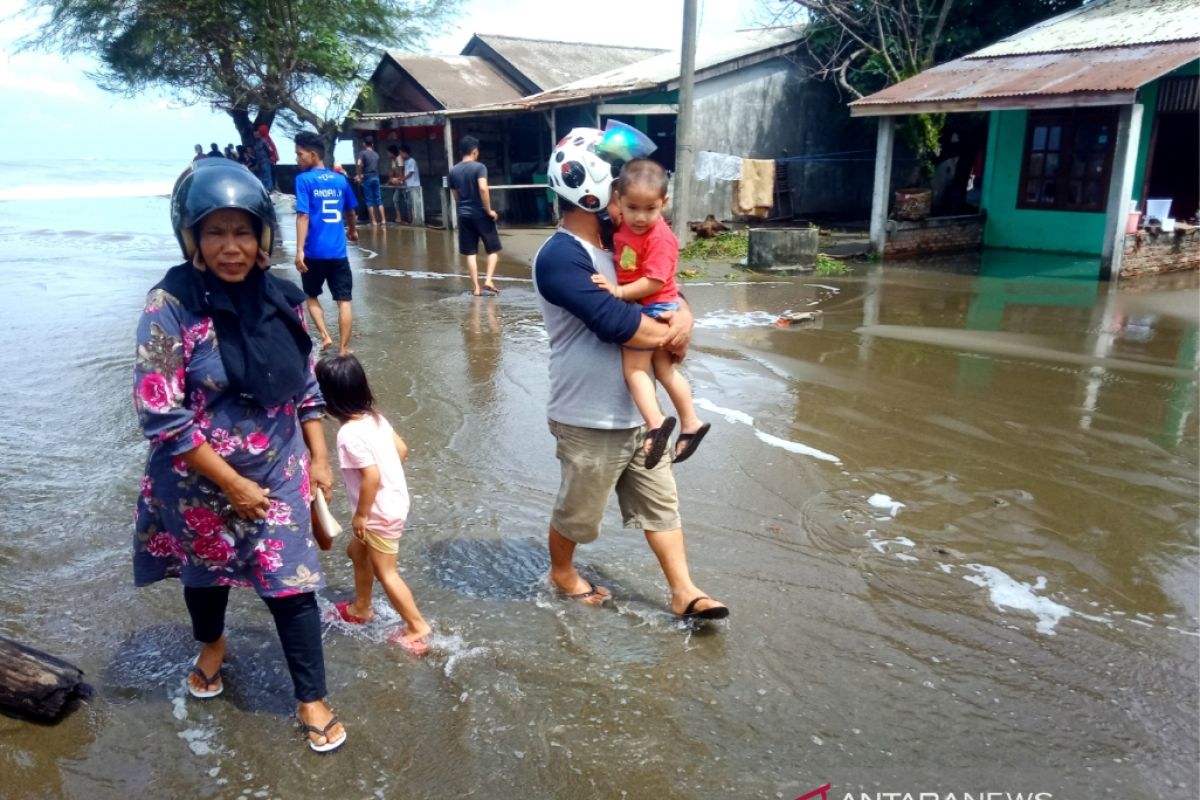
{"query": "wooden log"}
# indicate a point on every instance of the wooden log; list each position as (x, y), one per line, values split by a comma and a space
(36, 685)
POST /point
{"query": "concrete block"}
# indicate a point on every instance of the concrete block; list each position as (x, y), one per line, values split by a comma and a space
(783, 248)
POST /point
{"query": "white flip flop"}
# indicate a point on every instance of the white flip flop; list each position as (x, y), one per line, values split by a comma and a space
(329, 746)
(209, 680)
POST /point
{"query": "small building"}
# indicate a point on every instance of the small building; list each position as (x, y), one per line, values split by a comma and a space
(411, 94)
(752, 100)
(1091, 114)
(536, 65)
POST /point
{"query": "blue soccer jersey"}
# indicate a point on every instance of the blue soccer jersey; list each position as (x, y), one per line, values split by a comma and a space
(326, 197)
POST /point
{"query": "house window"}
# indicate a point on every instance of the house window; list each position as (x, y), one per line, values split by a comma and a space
(1068, 157)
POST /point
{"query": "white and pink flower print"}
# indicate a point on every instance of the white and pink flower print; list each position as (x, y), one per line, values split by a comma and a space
(279, 513)
(224, 442)
(257, 442)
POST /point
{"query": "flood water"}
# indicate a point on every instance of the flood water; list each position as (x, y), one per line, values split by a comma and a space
(956, 523)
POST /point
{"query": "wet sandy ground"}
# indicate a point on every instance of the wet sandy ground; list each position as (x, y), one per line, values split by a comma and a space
(956, 523)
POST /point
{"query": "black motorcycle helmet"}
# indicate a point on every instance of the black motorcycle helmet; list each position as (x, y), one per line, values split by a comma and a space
(211, 184)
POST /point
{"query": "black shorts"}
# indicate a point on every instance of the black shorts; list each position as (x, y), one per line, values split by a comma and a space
(472, 229)
(334, 270)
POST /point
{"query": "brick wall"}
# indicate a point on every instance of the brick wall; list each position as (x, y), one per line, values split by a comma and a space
(933, 235)
(1148, 254)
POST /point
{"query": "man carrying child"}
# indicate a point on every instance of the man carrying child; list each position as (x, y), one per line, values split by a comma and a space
(598, 429)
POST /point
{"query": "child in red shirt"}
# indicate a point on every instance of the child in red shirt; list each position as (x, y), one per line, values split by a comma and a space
(646, 253)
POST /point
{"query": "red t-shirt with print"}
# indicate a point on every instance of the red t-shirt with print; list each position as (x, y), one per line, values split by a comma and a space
(654, 254)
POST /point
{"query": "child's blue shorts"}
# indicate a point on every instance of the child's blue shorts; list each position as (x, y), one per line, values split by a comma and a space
(656, 310)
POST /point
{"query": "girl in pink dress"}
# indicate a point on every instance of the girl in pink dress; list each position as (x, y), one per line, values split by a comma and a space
(371, 456)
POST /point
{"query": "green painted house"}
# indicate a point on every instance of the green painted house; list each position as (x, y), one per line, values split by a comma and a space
(1090, 114)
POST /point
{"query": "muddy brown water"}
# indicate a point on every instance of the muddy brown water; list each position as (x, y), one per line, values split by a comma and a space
(956, 522)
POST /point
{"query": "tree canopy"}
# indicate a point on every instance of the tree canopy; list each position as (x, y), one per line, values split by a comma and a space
(867, 45)
(253, 59)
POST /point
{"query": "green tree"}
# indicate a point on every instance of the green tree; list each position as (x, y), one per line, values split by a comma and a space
(301, 60)
(867, 45)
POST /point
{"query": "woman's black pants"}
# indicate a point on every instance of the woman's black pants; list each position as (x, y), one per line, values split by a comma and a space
(297, 619)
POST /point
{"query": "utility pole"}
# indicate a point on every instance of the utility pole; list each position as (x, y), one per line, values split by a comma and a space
(684, 154)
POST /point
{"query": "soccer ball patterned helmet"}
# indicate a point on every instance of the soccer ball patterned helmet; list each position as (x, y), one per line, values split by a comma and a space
(580, 175)
(586, 161)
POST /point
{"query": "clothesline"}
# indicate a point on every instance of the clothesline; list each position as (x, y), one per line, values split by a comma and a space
(722, 166)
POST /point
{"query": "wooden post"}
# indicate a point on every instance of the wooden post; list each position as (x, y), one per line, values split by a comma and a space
(36, 685)
(884, 142)
(1120, 190)
(448, 210)
(684, 122)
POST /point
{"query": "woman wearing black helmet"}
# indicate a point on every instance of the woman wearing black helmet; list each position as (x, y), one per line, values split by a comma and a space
(225, 393)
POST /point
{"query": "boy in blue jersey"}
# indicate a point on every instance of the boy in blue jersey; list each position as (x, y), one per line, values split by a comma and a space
(324, 204)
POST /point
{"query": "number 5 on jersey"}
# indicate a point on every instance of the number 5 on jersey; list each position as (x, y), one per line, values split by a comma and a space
(331, 209)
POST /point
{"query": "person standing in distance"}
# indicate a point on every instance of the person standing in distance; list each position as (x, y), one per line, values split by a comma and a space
(262, 159)
(368, 175)
(476, 219)
(412, 186)
(324, 204)
(396, 182)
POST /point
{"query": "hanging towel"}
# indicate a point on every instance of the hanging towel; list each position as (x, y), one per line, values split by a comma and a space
(755, 192)
(718, 166)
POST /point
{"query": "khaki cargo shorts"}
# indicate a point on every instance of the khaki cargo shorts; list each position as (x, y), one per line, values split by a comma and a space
(594, 462)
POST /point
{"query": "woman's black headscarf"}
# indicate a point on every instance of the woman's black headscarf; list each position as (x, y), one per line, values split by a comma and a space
(263, 344)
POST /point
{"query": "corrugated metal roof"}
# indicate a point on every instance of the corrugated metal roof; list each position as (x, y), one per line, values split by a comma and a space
(458, 81)
(713, 55)
(1107, 76)
(711, 52)
(1105, 23)
(548, 63)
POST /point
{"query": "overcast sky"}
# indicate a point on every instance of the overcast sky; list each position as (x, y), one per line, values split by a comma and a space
(53, 110)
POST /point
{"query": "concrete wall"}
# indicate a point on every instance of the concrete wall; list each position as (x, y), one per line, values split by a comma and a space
(770, 110)
(1025, 229)
(1053, 231)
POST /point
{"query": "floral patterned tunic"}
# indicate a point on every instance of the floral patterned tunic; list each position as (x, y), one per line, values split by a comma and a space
(184, 525)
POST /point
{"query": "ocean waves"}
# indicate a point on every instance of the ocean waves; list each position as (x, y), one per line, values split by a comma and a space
(86, 191)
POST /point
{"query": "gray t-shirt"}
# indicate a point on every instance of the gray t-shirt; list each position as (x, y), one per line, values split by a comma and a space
(587, 385)
(370, 161)
(464, 179)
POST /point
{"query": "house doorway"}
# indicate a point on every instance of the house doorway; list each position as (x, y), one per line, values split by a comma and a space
(1174, 168)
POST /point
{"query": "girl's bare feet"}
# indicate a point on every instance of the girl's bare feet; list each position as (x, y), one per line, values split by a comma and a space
(412, 638)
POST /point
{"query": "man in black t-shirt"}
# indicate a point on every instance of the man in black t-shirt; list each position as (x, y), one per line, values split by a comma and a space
(476, 219)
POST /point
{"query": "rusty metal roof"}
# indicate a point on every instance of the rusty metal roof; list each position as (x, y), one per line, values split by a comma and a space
(457, 81)
(1105, 76)
(714, 56)
(1105, 23)
(662, 70)
(546, 64)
